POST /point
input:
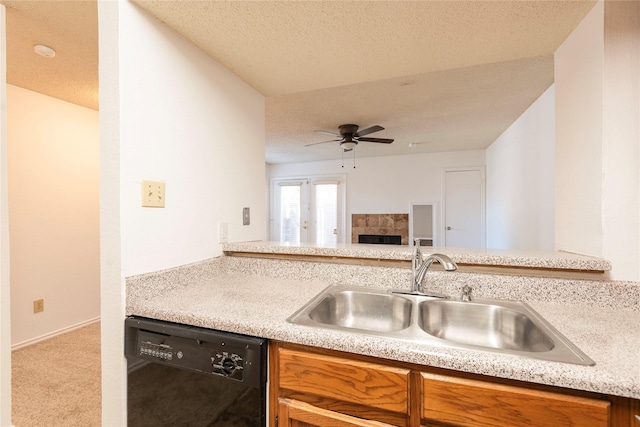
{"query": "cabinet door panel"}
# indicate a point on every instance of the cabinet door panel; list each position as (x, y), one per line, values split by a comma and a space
(363, 383)
(299, 414)
(477, 403)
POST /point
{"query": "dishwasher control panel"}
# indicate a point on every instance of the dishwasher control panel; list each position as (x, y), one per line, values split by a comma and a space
(161, 351)
(236, 357)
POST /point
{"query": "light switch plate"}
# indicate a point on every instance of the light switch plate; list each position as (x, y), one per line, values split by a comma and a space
(246, 216)
(152, 194)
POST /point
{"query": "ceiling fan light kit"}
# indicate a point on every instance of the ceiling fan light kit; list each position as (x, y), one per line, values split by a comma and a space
(348, 145)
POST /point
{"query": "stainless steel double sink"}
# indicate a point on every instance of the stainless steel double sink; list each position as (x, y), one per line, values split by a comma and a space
(500, 326)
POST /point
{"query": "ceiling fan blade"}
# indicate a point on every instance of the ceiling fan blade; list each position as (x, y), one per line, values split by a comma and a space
(322, 142)
(367, 131)
(328, 133)
(380, 140)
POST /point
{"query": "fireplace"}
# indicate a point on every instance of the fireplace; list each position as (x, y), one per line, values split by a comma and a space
(381, 225)
(380, 239)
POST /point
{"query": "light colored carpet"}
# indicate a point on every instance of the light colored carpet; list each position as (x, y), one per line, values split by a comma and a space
(57, 382)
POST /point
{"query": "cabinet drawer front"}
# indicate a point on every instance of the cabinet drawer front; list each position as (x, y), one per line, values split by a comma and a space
(293, 414)
(367, 384)
(475, 403)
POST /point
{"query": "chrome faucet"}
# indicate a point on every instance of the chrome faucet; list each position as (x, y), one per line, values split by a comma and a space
(466, 293)
(419, 267)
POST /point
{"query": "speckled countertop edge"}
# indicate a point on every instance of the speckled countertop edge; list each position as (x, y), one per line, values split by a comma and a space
(489, 257)
(259, 305)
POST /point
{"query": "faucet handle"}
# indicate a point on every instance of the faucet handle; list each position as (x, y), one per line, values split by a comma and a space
(466, 293)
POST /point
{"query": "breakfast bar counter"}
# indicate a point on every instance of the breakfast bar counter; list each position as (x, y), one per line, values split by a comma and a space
(255, 296)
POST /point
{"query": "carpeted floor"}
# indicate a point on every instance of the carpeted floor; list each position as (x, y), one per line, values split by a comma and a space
(57, 382)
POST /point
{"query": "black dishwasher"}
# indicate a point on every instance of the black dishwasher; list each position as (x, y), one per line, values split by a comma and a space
(181, 375)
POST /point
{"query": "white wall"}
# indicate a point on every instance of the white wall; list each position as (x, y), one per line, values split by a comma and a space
(598, 138)
(170, 113)
(578, 81)
(621, 139)
(53, 155)
(386, 184)
(205, 138)
(520, 180)
(5, 294)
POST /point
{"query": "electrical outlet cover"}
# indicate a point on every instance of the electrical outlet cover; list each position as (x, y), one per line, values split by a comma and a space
(38, 305)
(224, 232)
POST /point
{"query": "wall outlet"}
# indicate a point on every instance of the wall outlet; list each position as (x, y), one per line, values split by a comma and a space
(224, 232)
(152, 194)
(38, 305)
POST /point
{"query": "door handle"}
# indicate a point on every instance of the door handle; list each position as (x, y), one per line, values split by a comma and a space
(448, 228)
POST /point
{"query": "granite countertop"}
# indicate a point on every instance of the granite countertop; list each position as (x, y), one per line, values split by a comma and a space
(481, 257)
(259, 306)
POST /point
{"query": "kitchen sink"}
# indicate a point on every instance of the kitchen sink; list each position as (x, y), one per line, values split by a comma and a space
(486, 325)
(500, 326)
(367, 311)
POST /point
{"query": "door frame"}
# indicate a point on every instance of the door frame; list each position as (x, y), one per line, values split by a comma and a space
(483, 209)
(435, 221)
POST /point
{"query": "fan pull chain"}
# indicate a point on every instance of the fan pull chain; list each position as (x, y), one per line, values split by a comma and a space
(354, 157)
(342, 157)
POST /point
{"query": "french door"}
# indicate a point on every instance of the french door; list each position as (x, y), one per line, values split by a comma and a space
(308, 210)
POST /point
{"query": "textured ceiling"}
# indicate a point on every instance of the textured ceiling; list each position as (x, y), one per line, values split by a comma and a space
(283, 47)
(461, 109)
(452, 75)
(71, 28)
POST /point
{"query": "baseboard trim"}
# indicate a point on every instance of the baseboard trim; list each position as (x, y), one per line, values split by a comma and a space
(54, 334)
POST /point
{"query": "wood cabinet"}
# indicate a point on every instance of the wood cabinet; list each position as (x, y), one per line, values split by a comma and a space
(359, 388)
(470, 402)
(293, 413)
(317, 387)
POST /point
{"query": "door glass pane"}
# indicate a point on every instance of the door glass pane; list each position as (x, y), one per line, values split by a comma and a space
(326, 213)
(290, 214)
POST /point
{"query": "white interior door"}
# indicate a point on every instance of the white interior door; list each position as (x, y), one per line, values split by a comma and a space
(464, 208)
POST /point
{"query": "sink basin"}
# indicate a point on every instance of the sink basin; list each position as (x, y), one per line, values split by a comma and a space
(499, 326)
(363, 310)
(486, 325)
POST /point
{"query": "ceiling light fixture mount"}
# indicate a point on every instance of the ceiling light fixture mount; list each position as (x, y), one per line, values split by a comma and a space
(349, 144)
(46, 51)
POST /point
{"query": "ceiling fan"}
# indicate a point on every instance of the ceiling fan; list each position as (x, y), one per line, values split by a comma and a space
(349, 136)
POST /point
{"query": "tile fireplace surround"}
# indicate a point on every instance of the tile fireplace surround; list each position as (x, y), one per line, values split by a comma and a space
(383, 224)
